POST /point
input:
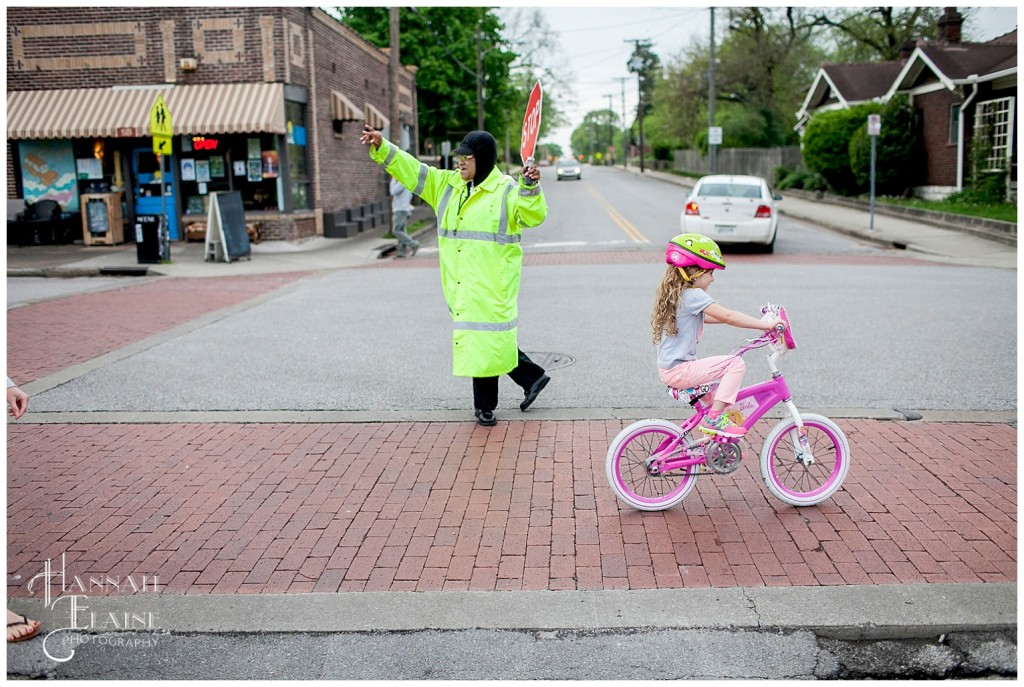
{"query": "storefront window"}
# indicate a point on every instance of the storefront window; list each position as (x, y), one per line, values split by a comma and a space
(298, 164)
(228, 162)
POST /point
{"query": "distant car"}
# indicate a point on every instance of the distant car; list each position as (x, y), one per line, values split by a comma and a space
(568, 168)
(732, 209)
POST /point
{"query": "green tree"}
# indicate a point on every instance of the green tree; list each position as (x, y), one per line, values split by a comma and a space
(867, 34)
(538, 59)
(598, 131)
(442, 43)
(764, 63)
(826, 146)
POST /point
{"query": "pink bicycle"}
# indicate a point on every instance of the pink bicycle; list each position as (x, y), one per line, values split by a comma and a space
(654, 464)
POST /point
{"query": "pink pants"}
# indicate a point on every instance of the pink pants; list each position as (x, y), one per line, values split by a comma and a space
(727, 368)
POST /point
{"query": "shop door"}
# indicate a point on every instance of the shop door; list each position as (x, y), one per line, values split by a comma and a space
(145, 169)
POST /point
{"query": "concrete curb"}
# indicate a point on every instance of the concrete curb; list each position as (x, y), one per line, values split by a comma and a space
(897, 611)
(464, 415)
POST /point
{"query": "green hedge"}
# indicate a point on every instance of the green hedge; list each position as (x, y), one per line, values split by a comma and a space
(826, 147)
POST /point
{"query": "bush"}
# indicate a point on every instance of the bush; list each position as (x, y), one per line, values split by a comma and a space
(896, 149)
(826, 146)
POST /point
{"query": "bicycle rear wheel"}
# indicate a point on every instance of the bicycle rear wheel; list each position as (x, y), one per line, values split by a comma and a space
(805, 485)
(628, 467)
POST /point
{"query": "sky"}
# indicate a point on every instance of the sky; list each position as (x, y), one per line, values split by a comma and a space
(594, 44)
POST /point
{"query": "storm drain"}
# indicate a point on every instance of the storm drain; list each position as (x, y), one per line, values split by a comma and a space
(552, 361)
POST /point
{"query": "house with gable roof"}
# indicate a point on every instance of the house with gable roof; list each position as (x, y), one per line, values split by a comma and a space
(961, 91)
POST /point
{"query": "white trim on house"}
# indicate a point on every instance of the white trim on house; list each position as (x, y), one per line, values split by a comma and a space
(911, 70)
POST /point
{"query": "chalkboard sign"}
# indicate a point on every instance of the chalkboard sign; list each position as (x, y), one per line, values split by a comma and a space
(232, 220)
(225, 228)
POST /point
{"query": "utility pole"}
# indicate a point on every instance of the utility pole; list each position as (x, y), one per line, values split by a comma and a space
(394, 65)
(611, 141)
(479, 80)
(712, 149)
(636, 65)
(625, 150)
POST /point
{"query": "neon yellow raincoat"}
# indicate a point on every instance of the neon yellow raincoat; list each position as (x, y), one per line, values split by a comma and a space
(480, 254)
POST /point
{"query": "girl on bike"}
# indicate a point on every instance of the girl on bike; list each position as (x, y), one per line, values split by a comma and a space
(681, 308)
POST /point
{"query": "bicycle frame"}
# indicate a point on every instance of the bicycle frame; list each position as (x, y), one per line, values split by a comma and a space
(677, 453)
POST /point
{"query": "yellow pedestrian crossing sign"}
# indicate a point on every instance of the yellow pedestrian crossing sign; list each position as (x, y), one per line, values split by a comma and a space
(160, 119)
(160, 127)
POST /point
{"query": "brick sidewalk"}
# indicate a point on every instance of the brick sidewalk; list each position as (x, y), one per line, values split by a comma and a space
(257, 508)
(49, 336)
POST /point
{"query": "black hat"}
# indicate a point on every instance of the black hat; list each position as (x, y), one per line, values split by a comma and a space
(475, 142)
(484, 149)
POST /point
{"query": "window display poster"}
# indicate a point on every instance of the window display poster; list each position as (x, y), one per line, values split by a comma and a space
(188, 169)
(239, 168)
(255, 168)
(89, 168)
(254, 149)
(202, 170)
(217, 167)
(48, 171)
(271, 165)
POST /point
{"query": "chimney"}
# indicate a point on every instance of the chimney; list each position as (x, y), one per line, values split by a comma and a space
(949, 27)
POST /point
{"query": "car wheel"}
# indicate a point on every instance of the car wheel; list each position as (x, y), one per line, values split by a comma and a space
(770, 246)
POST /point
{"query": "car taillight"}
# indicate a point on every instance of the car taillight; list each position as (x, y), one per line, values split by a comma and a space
(692, 209)
(763, 211)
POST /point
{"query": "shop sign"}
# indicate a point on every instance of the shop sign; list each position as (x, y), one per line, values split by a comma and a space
(203, 143)
(127, 132)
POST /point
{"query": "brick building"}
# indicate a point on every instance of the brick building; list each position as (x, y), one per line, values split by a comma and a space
(265, 101)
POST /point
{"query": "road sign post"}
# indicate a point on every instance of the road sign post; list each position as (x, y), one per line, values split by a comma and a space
(161, 129)
(874, 129)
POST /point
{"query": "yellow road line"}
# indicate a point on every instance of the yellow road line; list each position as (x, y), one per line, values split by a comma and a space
(632, 232)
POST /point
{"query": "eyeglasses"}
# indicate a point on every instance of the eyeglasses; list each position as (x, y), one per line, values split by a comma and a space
(463, 158)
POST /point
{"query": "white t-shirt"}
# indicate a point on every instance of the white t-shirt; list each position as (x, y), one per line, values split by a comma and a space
(682, 347)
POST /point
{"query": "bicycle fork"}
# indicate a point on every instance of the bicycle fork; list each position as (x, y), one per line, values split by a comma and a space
(801, 446)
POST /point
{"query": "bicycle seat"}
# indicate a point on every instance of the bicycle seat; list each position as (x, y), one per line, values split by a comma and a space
(691, 394)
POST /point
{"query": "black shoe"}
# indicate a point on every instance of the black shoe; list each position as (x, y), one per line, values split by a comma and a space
(534, 391)
(486, 418)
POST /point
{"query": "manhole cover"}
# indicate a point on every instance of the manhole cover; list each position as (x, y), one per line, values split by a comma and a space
(552, 361)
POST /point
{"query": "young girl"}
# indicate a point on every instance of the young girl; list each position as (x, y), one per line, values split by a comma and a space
(681, 307)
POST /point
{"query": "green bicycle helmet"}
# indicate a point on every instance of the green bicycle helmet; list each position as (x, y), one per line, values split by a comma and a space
(694, 249)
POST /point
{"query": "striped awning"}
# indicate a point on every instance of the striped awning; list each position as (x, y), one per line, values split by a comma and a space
(375, 117)
(123, 112)
(342, 108)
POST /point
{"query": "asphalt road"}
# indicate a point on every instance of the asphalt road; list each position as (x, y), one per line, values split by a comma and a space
(875, 335)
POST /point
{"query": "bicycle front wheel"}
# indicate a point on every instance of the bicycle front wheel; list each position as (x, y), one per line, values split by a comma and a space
(805, 485)
(630, 472)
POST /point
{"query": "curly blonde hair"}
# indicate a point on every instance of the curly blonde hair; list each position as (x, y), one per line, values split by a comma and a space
(666, 299)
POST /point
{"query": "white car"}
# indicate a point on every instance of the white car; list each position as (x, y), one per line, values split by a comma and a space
(732, 209)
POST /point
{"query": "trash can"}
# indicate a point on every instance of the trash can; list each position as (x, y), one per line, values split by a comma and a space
(151, 240)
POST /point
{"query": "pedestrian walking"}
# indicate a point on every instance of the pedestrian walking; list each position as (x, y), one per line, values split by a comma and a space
(480, 217)
(681, 308)
(401, 211)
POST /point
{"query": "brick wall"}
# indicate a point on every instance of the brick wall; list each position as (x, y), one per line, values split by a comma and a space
(348, 64)
(940, 153)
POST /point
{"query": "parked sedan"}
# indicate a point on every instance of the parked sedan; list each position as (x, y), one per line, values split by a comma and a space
(732, 209)
(568, 168)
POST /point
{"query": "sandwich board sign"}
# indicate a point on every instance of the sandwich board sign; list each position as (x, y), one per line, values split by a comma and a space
(226, 237)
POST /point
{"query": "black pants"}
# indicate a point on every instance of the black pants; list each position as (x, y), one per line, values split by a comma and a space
(485, 389)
